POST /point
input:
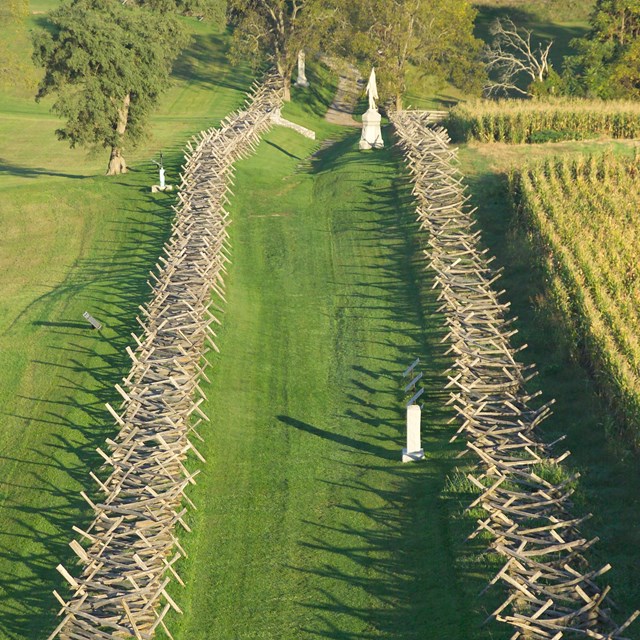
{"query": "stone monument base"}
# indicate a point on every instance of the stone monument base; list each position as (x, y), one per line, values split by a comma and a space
(371, 133)
(156, 187)
(412, 456)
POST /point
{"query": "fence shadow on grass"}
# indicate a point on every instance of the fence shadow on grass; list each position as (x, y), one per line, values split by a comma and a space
(392, 558)
(40, 509)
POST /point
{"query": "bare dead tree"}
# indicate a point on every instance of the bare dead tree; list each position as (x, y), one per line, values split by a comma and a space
(511, 55)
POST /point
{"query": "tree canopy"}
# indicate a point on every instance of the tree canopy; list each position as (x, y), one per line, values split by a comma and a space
(107, 64)
(276, 30)
(607, 63)
(436, 36)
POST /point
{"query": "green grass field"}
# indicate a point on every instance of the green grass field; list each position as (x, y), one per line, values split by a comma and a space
(308, 526)
(73, 240)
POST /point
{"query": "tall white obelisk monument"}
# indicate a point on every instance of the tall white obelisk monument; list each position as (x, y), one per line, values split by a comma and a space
(371, 133)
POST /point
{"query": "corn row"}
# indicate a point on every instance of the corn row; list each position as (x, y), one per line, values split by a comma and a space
(585, 215)
(520, 122)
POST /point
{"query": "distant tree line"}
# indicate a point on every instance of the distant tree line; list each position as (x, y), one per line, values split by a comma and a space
(605, 63)
(107, 62)
(434, 36)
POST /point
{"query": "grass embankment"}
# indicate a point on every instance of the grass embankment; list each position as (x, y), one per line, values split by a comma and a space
(308, 525)
(73, 240)
(583, 213)
(610, 475)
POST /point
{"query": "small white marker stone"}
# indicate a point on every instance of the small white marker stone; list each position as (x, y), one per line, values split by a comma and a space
(414, 450)
(301, 81)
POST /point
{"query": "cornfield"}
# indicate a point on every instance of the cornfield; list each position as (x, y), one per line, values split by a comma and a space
(520, 121)
(584, 215)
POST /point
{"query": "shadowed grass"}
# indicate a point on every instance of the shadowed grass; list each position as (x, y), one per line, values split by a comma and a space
(308, 525)
(73, 240)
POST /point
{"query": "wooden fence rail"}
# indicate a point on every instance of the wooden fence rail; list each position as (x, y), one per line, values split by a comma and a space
(128, 554)
(553, 591)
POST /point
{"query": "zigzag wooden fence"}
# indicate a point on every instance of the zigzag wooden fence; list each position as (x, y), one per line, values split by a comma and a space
(131, 546)
(553, 591)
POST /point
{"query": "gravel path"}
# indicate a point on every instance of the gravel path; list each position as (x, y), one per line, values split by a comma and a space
(350, 86)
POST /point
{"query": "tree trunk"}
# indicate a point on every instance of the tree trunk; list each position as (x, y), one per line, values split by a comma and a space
(117, 164)
(116, 161)
(285, 74)
(287, 87)
(398, 102)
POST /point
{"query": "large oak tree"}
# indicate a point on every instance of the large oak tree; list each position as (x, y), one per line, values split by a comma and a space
(106, 64)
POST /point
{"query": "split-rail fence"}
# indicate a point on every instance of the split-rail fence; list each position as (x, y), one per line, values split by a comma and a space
(553, 591)
(128, 553)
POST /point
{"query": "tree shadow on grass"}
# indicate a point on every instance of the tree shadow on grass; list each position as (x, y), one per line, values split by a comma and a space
(39, 510)
(23, 171)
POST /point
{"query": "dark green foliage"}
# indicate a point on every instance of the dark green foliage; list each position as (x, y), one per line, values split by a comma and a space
(551, 135)
(607, 63)
(107, 64)
(435, 36)
(276, 30)
(553, 85)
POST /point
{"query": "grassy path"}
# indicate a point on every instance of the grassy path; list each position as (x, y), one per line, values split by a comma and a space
(309, 526)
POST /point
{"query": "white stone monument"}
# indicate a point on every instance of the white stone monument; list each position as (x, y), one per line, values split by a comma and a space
(301, 80)
(371, 133)
(162, 186)
(414, 450)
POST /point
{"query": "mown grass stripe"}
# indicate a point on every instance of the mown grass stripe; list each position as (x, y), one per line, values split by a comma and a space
(310, 526)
